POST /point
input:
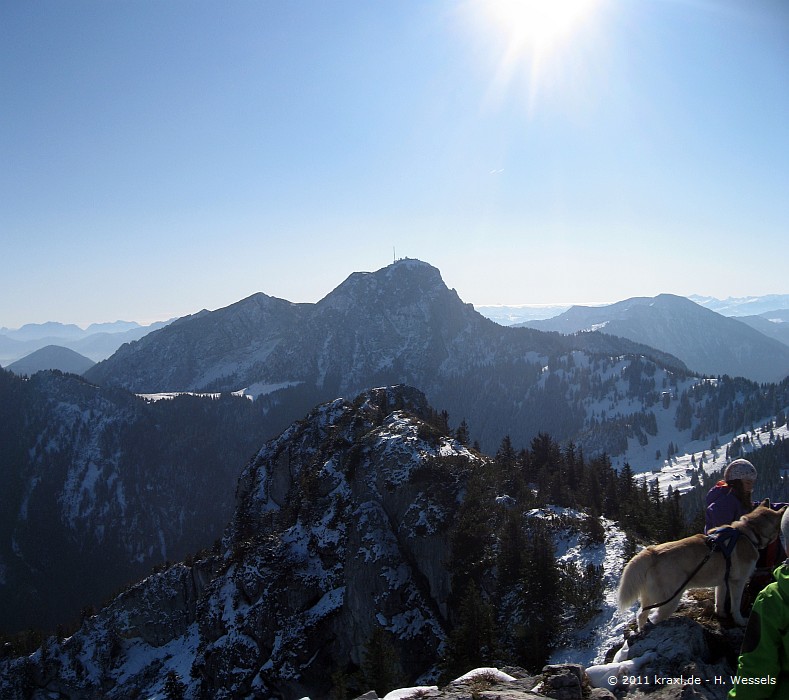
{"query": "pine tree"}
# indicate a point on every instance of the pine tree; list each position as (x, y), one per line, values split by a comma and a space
(174, 688)
(472, 642)
(380, 663)
(541, 600)
(627, 481)
(471, 535)
(512, 550)
(506, 462)
(462, 433)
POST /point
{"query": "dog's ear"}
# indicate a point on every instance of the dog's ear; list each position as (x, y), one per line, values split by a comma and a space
(765, 503)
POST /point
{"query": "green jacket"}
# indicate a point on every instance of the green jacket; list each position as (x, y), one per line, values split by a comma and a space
(765, 648)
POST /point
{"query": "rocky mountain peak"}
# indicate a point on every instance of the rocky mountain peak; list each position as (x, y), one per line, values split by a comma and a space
(403, 283)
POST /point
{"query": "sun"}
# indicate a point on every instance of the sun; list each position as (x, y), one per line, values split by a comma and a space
(529, 39)
(537, 24)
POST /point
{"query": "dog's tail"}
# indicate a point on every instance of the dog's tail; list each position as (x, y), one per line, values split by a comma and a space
(633, 579)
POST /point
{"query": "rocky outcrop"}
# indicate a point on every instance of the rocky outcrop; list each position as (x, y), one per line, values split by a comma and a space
(339, 531)
(690, 655)
(131, 644)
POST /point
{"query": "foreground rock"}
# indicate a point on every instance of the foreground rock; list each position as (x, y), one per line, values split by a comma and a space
(689, 656)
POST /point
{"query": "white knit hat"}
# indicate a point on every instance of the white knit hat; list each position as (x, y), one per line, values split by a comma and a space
(740, 469)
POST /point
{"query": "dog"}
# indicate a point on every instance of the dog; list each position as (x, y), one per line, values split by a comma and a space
(657, 573)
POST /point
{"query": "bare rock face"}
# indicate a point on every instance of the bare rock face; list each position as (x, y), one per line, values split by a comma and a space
(338, 532)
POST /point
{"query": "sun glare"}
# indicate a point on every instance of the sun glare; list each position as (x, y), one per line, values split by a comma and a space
(529, 36)
(537, 24)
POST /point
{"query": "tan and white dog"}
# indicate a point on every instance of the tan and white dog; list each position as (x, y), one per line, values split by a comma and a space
(656, 573)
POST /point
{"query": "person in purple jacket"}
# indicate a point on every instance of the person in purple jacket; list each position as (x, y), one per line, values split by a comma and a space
(732, 497)
(729, 500)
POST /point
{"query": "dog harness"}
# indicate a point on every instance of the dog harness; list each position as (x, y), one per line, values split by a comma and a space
(721, 539)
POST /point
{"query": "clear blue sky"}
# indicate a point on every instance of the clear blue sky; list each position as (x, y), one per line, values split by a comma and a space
(157, 158)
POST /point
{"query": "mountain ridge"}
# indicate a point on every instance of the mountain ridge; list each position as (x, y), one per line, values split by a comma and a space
(100, 485)
(400, 324)
(703, 339)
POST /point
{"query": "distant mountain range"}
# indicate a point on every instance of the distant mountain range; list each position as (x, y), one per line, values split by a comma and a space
(511, 315)
(67, 331)
(774, 324)
(744, 306)
(704, 340)
(97, 342)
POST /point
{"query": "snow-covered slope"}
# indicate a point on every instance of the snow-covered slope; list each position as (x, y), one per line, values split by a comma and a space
(686, 469)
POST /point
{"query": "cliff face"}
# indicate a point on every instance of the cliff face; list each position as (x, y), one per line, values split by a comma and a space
(339, 530)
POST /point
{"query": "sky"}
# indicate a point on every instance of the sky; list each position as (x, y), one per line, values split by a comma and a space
(157, 158)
